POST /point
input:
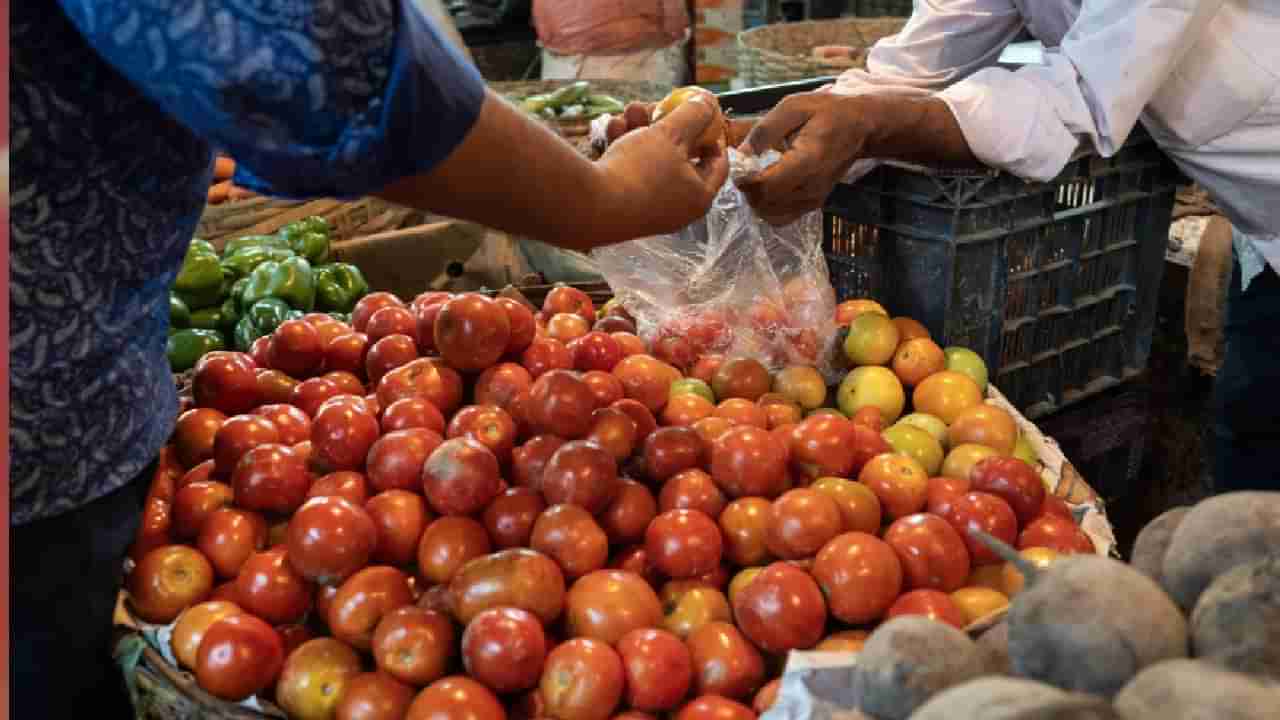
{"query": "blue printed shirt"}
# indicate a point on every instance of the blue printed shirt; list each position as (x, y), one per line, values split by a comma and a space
(115, 107)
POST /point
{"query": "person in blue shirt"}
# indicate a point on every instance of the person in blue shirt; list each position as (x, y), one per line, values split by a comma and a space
(115, 108)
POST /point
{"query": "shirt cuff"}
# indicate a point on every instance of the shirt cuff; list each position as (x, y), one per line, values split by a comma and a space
(429, 104)
(1009, 124)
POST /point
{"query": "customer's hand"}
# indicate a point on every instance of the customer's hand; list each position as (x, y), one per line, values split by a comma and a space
(638, 115)
(659, 177)
(820, 136)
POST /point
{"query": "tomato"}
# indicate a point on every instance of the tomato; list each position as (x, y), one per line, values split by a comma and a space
(917, 359)
(690, 604)
(314, 677)
(292, 425)
(504, 648)
(686, 409)
(670, 450)
(346, 484)
(447, 544)
(800, 522)
(596, 351)
(414, 412)
(228, 537)
(570, 535)
(859, 507)
(646, 379)
(987, 425)
(239, 656)
(692, 489)
(1016, 482)
(615, 431)
(347, 352)
(329, 539)
(522, 325)
(194, 503)
(802, 385)
(237, 436)
(963, 458)
(370, 304)
(191, 625)
(295, 348)
(203, 472)
(683, 543)
(362, 601)
(395, 460)
(1011, 579)
(167, 580)
(942, 490)
(743, 412)
(781, 609)
(643, 418)
(427, 378)
(1056, 533)
(582, 680)
(658, 667)
(311, 393)
(488, 425)
(583, 474)
(918, 444)
(850, 309)
(400, 518)
(741, 378)
(471, 332)
(226, 382)
(565, 299)
(1054, 505)
(607, 604)
(748, 461)
(932, 604)
(342, 434)
(194, 434)
(567, 329)
(744, 524)
(714, 707)
(268, 586)
(899, 482)
(827, 443)
(932, 553)
(560, 403)
(847, 641)
(976, 603)
(389, 321)
(374, 696)
(946, 395)
(635, 559)
(725, 662)
(510, 517)
(413, 645)
(545, 354)
(986, 512)
(461, 477)
(387, 354)
(860, 575)
(630, 513)
(515, 578)
(500, 383)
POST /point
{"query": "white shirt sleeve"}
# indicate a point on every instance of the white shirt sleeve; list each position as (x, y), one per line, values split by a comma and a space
(1110, 65)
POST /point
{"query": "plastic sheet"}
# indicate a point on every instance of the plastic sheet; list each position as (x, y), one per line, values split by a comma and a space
(732, 284)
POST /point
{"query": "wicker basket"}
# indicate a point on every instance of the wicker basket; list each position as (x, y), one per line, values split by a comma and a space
(264, 215)
(783, 52)
(883, 8)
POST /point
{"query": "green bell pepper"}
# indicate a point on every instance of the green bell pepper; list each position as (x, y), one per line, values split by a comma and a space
(237, 294)
(230, 314)
(242, 262)
(339, 286)
(207, 319)
(291, 280)
(309, 238)
(185, 347)
(199, 282)
(262, 318)
(235, 245)
(179, 313)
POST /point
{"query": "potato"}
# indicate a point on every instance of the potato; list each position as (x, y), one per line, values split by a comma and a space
(1150, 545)
(1215, 536)
(1197, 690)
(906, 661)
(995, 643)
(1088, 623)
(1236, 622)
(1004, 698)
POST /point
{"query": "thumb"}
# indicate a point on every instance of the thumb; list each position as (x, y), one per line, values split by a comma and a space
(687, 123)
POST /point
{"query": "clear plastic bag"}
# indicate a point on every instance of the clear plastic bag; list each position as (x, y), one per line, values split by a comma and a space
(731, 284)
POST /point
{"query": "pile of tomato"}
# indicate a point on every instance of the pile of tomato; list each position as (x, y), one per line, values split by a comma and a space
(462, 507)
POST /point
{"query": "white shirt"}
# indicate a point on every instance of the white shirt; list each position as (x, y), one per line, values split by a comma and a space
(1203, 76)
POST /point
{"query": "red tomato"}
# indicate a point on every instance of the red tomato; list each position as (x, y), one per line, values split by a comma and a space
(488, 425)
(295, 348)
(228, 537)
(330, 539)
(292, 425)
(748, 461)
(193, 435)
(239, 656)
(985, 512)
(499, 384)
(346, 484)
(414, 412)
(270, 588)
(413, 645)
(342, 434)
(400, 518)
(781, 609)
(471, 332)
(347, 352)
(395, 460)
(510, 517)
(583, 474)
(504, 648)
(714, 707)
(582, 680)
(389, 353)
(456, 698)
(523, 326)
(447, 544)
(226, 382)
(684, 543)
(362, 601)
(932, 604)
(193, 503)
(1012, 480)
(271, 478)
(658, 667)
(168, 580)
(861, 576)
(933, 554)
(370, 304)
(310, 394)
(237, 436)
(461, 477)
(1056, 533)
(374, 696)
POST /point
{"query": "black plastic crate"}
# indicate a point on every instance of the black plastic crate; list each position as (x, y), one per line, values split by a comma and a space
(1054, 284)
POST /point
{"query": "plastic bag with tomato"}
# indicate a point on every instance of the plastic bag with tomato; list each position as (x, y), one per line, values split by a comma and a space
(730, 284)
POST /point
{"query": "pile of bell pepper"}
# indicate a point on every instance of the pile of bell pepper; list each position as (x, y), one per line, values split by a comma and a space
(257, 282)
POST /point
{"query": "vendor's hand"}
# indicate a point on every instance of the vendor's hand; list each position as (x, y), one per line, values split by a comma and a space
(638, 114)
(820, 136)
(659, 178)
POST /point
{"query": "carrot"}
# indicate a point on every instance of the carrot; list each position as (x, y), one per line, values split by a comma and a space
(218, 192)
(223, 168)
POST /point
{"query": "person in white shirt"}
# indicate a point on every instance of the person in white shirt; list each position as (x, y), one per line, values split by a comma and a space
(1202, 76)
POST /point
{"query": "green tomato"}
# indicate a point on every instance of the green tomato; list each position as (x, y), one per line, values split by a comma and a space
(693, 386)
(967, 362)
(929, 423)
(917, 443)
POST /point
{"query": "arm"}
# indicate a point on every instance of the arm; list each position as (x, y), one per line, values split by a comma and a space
(315, 98)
